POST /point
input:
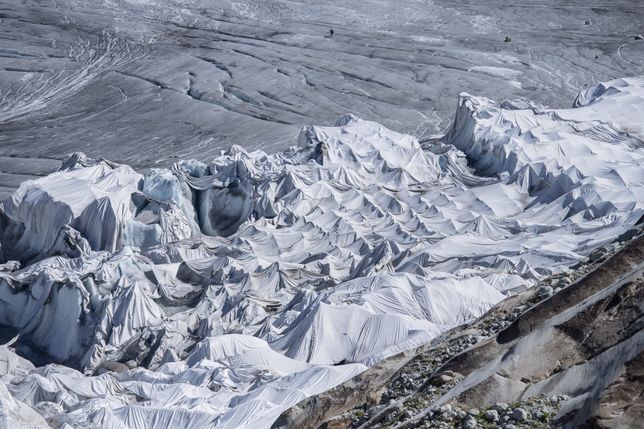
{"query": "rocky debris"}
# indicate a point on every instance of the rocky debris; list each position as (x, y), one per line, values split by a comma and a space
(537, 412)
(421, 392)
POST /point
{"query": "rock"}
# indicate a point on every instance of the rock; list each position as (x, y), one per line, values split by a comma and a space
(340, 423)
(446, 377)
(445, 409)
(492, 415)
(508, 39)
(629, 235)
(587, 22)
(473, 412)
(470, 422)
(545, 291)
(519, 414)
(111, 366)
(597, 255)
(443, 379)
(501, 407)
(376, 409)
(566, 280)
(540, 414)
(639, 37)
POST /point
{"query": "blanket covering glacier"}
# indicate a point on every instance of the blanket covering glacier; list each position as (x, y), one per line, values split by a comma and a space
(220, 294)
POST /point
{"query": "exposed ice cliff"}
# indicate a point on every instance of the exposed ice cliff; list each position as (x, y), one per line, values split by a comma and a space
(221, 294)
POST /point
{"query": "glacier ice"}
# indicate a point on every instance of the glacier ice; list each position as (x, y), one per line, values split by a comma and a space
(220, 294)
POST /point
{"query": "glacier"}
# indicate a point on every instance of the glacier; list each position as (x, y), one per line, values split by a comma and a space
(220, 294)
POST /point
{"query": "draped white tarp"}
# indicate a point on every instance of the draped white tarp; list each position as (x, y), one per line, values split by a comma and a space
(220, 294)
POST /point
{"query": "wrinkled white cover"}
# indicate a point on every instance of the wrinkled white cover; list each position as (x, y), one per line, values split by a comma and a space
(235, 289)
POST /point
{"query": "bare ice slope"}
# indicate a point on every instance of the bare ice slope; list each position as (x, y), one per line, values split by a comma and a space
(145, 82)
(220, 294)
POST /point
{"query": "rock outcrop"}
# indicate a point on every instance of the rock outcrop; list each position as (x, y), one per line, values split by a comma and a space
(572, 359)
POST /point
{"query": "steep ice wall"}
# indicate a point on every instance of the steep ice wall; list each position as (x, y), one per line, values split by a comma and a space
(218, 294)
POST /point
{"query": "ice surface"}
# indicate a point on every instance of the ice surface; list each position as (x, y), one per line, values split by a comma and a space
(187, 78)
(220, 294)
